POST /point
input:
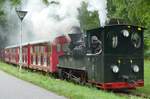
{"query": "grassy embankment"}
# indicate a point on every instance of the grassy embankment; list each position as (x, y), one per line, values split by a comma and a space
(146, 89)
(60, 87)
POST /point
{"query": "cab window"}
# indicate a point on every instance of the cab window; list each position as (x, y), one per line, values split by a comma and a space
(136, 40)
(112, 39)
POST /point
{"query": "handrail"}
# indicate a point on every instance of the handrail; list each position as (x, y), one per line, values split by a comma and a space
(90, 54)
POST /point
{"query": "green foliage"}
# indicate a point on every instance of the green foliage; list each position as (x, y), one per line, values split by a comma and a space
(88, 20)
(45, 2)
(15, 2)
(2, 14)
(1, 2)
(115, 10)
(146, 89)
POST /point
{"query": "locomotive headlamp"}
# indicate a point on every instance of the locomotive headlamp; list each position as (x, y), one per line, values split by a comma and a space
(129, 26)
(125, 33)
(131, 61)
(136, 68)
(115, 68)
(119, 61)
(139, 29)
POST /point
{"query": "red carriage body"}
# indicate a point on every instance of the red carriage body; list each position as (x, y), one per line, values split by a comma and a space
(41, 55)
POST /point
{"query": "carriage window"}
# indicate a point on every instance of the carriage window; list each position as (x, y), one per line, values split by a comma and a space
(113, 39)
(34, 49)
(45, 61)
(14, 51)
(42, 49)
(136, 40)
(37, 49)
(24, 59)
(31, 49)
(48, 48)
(34, 60)
(58, 47)
(26, 50)
(39, 60)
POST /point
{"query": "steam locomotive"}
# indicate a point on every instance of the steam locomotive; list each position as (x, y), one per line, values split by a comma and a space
(109, 57)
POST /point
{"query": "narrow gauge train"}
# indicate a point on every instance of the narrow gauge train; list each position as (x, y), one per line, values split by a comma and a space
(110, 57)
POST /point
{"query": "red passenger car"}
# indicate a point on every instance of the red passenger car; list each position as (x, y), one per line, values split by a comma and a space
(40, 55)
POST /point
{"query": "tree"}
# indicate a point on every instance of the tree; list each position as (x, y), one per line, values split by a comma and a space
(88, 20)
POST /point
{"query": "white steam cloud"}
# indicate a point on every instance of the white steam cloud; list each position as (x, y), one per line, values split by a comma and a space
(45, 22)
(101, 7)
(55, 19)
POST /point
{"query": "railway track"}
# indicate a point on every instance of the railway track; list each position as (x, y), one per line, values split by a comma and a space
(129, 94)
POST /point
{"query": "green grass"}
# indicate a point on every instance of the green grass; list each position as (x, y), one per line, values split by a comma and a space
(146, 89)
(67, 89)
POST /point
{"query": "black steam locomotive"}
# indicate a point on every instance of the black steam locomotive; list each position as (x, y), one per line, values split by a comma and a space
(110, 57)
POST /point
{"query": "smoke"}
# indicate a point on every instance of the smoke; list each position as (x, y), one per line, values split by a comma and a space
(45, 22)
(3, 37)
(10, 28)
(101, 7)
(52, 20)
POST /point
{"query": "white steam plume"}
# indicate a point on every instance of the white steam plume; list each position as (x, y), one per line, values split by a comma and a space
(52, 20)
(60, 16)
(101, 7)
(12, 32)
(48, 21)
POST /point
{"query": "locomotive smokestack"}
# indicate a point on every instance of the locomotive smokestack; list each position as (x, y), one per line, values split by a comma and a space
(76, 30)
